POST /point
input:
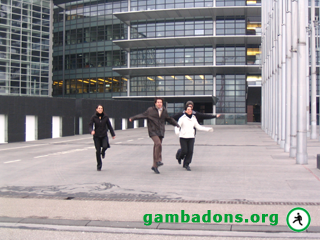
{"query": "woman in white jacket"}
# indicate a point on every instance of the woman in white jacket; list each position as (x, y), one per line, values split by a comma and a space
(186, 133)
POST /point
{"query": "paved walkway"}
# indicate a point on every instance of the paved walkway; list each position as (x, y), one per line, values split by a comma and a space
(235, 170)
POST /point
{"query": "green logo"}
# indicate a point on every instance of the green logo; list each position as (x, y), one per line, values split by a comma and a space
(298, 219)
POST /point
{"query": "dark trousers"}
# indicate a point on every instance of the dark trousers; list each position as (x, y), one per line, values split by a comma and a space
(186, 150)
(157, 149)
(99, 142)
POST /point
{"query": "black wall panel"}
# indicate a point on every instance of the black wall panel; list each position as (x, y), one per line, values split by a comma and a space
(16, 108)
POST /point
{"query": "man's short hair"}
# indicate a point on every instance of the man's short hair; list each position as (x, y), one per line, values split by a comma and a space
(158, 98)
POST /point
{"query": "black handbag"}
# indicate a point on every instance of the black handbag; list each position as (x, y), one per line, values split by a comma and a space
(105, 142)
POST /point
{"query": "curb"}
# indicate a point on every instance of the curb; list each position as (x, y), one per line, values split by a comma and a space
(18, 222)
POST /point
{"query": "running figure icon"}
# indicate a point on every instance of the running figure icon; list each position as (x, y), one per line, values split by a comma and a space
(298, 218)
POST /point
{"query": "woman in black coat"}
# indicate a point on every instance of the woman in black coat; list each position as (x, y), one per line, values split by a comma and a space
(98, 127)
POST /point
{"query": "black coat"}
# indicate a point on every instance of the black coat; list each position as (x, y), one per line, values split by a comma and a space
(156, 124)
(100, 126)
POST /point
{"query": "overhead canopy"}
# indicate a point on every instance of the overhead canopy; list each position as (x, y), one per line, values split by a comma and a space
(188, 12)
(185, 70)
(191, 41)
(175, 99)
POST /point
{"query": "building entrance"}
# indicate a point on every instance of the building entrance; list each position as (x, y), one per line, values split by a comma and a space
(254, 104)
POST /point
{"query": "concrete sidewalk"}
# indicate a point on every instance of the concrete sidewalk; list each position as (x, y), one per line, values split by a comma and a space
(235, 170)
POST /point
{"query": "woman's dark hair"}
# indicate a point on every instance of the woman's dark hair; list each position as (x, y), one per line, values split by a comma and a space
(99, 106)
(158, 98)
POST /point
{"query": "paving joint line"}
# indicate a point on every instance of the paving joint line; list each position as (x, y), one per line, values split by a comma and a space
(93, 198)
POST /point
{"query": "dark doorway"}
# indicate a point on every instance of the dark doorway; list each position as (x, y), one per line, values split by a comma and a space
(203, 107)
(254, 104)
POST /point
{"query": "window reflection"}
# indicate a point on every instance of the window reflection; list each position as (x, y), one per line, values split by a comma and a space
(238, 2)
(231, 91)
(90, 85)
(25, 48)
(172, 57)
(78, 10)
(92, 34)
(230, 25)
(91, 60)
(253, 56)
(138, 5)
(171, 28)
(230, 55)
(171, 85)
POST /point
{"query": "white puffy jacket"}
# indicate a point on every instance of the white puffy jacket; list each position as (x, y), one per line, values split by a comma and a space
(187, 126)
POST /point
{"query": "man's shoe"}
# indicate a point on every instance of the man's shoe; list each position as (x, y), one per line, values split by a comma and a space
(159, 164)
(155, 170)
(103, 154)
(98, 169)
(188, 168)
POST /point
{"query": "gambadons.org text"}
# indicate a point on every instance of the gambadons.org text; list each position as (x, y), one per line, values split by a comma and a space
(209, 217)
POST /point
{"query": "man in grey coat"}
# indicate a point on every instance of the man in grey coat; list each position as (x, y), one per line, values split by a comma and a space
(157, 117)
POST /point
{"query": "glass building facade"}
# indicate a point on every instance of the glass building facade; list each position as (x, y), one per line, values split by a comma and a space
(25, 47)
(84, 53)
(200, 50)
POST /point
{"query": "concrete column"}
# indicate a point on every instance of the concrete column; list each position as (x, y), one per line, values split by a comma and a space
(288, 77)
(279, 62)
(145, 123)
(283, 74)
(3, 128)
(294, 79)
(56, 126)
(308, 77)
(31, 128)
(124, 123)
(80, 121)
(112, 122)
(302, 156)
(262, 71)
(135, 123)
(274, 80)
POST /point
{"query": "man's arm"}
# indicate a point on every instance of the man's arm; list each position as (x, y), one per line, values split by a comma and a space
(200, 116)
(140, 116)
(171, 120)
(177, 116)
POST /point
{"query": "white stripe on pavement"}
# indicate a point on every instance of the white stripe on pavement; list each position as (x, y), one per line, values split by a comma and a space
(44, 144)
(13, 161)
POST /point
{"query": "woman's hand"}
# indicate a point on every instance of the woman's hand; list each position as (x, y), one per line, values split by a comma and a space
(93, 132)
(113, 137)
